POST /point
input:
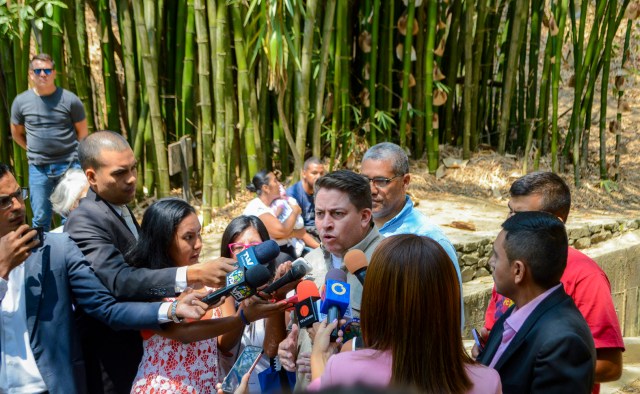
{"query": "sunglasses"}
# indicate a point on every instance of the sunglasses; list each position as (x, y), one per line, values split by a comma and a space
(237, 247)
(7, 201)
(38, 71)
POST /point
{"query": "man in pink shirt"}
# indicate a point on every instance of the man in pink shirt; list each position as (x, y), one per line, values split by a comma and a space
(542, 343)
(583, 280)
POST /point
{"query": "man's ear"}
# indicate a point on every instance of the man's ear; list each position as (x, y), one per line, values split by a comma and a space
(365, 217)
(519, 271)
(91, 176)
(406, 178)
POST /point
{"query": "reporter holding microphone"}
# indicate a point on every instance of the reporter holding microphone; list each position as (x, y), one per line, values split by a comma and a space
(410, 321)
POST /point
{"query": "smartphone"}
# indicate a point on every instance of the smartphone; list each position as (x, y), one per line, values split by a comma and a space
(39, 236)
(245, 363)
(477, 339)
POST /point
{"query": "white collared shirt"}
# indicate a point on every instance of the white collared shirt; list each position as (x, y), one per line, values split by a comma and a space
(18, 370)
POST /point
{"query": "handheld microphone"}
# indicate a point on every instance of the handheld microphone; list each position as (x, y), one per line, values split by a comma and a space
(337, 295)
(243, 286)
(296, 272)
(306, 309)
(357, 264)
(260, 254)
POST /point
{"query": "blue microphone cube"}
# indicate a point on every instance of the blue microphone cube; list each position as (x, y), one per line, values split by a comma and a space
(337, 294)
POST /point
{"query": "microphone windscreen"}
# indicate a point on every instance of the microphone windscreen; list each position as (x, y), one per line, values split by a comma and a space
(307, 289)
(257, 276)
(266, 251)
(336, 274)
(354, 260)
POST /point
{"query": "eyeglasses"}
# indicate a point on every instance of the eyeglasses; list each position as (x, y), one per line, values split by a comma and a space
(38, 71)
(237, 247)
(381, 182)
(7, 201)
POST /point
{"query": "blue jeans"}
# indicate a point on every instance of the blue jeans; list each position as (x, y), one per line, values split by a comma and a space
(42, 180)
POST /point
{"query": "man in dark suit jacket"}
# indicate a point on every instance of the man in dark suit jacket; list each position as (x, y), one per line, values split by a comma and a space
(542, 344)
(104, 229)
(38, 286)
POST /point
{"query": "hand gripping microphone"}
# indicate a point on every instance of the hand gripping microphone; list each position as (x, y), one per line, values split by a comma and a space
(336, 300)
(244, 287)
(296, 272)
(260, 254)
(306, 309)
(357, 264)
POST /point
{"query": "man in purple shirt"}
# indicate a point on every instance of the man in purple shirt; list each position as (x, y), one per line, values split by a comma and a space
(542, 343)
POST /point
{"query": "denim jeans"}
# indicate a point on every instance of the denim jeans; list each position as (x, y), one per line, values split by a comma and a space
(42, 180)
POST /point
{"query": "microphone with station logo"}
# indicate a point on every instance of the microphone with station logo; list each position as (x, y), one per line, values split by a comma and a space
(307, 308)
(336, 299)
(243, 285)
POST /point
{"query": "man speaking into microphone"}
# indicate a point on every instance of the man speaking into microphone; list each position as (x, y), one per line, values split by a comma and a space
(344, 222)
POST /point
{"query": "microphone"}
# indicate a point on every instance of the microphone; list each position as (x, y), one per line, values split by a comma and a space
(306, 309)
(260, 254)
(336, 300)
(296, 272)
(244, 284)
(357, 264)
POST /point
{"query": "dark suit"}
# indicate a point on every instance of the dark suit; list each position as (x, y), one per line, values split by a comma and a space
(103, 236)
(553, 352)
(56, 276)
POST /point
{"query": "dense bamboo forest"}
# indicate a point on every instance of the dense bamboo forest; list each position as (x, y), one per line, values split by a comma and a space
(267, 83)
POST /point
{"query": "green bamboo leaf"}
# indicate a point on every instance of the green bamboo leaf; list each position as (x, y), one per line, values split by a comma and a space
(292, 52)
(48, 9)
(250, 11)
(287, 4)
(39, 23)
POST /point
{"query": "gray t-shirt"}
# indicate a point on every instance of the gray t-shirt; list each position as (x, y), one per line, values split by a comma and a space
(49, 124)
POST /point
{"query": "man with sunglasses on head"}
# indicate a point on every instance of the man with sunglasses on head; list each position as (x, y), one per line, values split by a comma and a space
(386, 165)
(47, 121)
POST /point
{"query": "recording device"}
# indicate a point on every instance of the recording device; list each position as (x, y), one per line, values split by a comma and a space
(477, 339)
(357, 264)
(307, 308)
(295, 273)
(243, 286)
(39, 236)
(260, 254)
(337, 295)
(301, 261)
(246, 362)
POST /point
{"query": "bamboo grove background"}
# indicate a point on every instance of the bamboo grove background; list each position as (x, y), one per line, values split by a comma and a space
(266, 83)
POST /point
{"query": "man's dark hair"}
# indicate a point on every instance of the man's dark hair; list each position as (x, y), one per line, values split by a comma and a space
(310, 161)
(44, 57)
(556, 196)
(391, 152)
(90, 148)
(4, 170)
(354, 185)
(539, 239)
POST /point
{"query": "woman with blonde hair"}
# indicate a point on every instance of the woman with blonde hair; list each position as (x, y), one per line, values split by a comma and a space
(410, 321)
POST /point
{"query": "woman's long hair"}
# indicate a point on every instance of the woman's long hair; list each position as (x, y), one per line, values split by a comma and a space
(411, 307)
(158, 228)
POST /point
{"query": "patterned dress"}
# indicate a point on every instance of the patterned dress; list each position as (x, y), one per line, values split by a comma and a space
(170, 366)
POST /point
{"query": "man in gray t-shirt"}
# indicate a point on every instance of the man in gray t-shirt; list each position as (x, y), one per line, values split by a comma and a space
(47, 121)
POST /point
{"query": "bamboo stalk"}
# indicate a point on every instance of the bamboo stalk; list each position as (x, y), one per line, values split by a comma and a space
(373, 70)
(245, 124)
(129, 65)
(625, 55)
(431, 137)
(218, 181)
(108, 67)
(468, 79)
(188, 118)
(406, 70)
(520, 14)
(327, 37)
(305, 82)
(150, 77)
